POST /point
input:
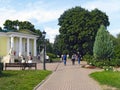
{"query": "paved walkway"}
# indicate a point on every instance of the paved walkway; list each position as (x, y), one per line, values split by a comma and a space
(69, 77)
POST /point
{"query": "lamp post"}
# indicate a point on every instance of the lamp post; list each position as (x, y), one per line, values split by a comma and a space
(44, 56)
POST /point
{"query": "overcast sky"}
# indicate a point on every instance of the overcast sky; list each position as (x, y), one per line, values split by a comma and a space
(44, 14)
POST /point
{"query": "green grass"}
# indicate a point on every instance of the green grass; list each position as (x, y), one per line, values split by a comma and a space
(21, 80)
(107, 78)
(56, 59)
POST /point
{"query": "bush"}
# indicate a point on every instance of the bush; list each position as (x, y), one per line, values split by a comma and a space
(88, 58)
(51, 56)
(101, 63)
(108, 68)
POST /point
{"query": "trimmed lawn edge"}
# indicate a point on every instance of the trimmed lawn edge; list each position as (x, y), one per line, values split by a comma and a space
(42, 82)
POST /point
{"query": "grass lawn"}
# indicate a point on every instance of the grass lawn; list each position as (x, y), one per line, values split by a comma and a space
(107, 78)
(56, 59)
(21, 79)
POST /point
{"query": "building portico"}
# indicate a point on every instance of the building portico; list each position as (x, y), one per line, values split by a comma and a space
(23, 45)
(20, 43)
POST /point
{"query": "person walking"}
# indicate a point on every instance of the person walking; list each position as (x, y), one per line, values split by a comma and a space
(64, 59)
(79, 57)
(73, 59)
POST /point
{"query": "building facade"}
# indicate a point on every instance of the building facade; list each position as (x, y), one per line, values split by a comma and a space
(21, 43)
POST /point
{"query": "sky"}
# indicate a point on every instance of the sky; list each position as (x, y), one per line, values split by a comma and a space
(44, 14)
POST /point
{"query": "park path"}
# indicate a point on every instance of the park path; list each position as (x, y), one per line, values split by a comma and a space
(69, 77)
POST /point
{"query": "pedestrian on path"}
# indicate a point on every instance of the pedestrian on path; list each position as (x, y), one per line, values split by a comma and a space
(64, 59)
(79, 57)
(73, 59)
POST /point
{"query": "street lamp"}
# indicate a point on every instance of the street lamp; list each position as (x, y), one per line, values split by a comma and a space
(44, 56)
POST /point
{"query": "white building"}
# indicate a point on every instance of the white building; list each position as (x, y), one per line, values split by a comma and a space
(22, 42)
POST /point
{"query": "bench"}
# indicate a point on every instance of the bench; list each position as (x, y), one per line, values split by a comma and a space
(21, 65)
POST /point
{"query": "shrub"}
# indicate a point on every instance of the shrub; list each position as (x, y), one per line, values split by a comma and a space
(88, 58)
(51, 56)
(108, 68)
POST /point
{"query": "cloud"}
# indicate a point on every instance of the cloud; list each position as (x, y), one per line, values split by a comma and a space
(51, 33)
(105, 5)
(40, 12)
(36, 11)
(40, 15)
(114, 32)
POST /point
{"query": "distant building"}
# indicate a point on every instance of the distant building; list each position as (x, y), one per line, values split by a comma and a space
(22, 42)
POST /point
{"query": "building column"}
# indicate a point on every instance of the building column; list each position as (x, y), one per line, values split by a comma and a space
(20, 46)
(12, 42)
(11, 53)
(35, 50)
(28, 48)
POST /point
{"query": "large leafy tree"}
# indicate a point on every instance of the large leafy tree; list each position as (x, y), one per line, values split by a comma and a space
(103, 46)
(78, 28)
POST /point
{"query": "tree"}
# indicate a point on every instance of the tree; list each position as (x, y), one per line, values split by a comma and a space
(103, 46)
(78, 28)
(8, 25)
(26, 25)
(58, 46)
(14, 25)
(117, 46)
(49, 47)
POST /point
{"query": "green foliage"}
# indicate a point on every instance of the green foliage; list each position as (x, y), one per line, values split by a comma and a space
(108, 68)
(87, 57)
(103, 63)
(18, 25)
(51, 56)
(56, 59)
(22, 80)
(107, 78)
(117, 46)
(78, 28)
(49, 47)
(103, 46)
(59, 45)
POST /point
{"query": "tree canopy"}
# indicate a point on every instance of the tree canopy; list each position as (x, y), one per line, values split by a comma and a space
(15, 25)
(78, 28)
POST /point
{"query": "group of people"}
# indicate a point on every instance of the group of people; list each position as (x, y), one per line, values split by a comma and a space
(74, 57)
(29, 59)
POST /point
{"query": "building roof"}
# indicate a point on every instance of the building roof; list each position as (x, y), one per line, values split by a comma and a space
(20, 33)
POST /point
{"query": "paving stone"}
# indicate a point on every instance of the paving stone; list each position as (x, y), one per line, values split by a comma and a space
(69, 77)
